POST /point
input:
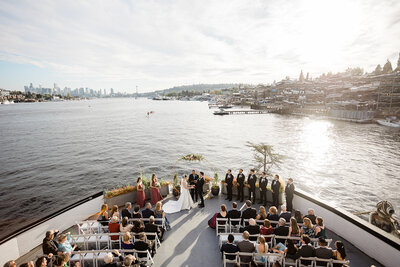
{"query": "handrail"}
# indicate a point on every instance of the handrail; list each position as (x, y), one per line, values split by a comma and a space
(49, 216)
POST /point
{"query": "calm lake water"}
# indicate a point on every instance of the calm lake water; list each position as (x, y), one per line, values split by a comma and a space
(54, 153)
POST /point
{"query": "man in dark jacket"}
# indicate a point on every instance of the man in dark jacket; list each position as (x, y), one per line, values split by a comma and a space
(263, 189)
(192, 181)
(230, 247)
(229, 184)
(109, 259)
(142, 245)
(147, 212)
(251, 183)
(306, 249)
(253, 229)
(199, 189)
(323, 251)
(249, 212)
(151, 227)
(289, 192)
(126, 212)
(275, 187)
(240, 185)
(49, 244)
(281, 230)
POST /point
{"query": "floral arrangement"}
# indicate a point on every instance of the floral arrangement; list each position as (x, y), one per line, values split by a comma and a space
(164, 183)
(215, 182)
(207, 179)
(119, 191)
(192, 157)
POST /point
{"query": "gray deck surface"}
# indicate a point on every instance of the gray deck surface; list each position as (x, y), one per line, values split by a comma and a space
(192, 243)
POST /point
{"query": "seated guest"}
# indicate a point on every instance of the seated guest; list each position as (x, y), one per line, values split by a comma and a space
(246, 246)
(222, 214)
(290, 251)
(229, 247)
(113, 227)
(125, 225)
(137, 228)
(114, 212)
(320, 228)
(306, 250)
(298, 216)
(151, 227)
(102, 216)
(61, 260)
(281, 230)
(10, 263)
(308, 228)
(339, 253)
(136, 212)
(64, 245)
(147, 212)
(160, 214)
(261, 249)
(128, 260)
(142, 245)
(41, 261)
(249, 212)
(262, 214)
(323, 251)
(126, 242)
(27, 264)
(285, 214)
(127, 211)
(252, 229)
(267, 229)
(109, 259)
(294, 229)
(310, 215)
(234, 213)
(50, 245)
(273, 215)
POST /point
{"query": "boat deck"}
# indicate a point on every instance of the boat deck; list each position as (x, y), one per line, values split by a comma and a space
(191, 242)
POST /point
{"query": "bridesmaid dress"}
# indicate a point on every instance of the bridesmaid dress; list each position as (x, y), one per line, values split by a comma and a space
(140, 199)
(155, 195)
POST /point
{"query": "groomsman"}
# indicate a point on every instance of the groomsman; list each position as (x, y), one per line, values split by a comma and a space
(229, 184)
(275, 186)
(289, 191)
(240, 185)
(192, 181)
(251, 183)
(199, 187)
(263, 189)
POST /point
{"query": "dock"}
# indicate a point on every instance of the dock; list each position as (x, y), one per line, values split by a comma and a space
(242, 111)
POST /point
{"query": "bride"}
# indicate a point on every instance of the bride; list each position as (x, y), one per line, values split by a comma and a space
(184, 202)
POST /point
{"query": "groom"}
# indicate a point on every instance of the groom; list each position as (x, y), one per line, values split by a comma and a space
(192, 181)
(199, 189)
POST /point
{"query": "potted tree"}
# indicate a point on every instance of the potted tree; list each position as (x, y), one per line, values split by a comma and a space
(215, 185)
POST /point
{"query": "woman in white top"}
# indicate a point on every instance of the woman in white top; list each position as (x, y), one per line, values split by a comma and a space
(125, 226)
(184, 202)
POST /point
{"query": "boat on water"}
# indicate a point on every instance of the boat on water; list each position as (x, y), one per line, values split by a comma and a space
(221, 112)
(6, 102)
(226, 106)
(390, 122)
(191, 242)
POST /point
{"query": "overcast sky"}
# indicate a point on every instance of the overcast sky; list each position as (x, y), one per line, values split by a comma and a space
(160, 44)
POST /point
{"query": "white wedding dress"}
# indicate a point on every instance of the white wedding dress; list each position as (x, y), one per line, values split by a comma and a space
(184, 202)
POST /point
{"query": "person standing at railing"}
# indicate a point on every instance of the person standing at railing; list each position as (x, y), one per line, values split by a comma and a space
(275, 187)
(140, 196)
(155, 195)
(229, 184)
(289, 192)
(240, 185)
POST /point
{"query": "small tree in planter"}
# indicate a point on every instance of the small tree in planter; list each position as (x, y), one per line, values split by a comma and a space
(215, 185)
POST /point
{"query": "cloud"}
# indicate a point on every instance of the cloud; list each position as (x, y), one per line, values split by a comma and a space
(158, 44)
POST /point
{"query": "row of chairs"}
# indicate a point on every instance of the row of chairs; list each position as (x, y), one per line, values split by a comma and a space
(223, 238)
(229, 225)
(270, 258)
(93, 226)
(95, 258)
(104, 240)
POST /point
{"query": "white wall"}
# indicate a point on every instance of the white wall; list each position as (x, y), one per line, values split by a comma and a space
(23, 243)
(366, 242)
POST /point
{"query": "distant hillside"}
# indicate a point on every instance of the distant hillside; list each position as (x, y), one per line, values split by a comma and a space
(193, 87)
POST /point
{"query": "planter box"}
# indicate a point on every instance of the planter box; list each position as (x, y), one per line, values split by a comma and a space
(246, 193)
(121, 199)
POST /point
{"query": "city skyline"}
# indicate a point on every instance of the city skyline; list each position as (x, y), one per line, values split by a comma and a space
(158, 45)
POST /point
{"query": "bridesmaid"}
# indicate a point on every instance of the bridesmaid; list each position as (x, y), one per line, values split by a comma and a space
(140, 193)
(155, 190)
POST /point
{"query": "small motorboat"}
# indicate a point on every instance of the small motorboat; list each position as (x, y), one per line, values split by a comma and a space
(390, 122)
(221, 112)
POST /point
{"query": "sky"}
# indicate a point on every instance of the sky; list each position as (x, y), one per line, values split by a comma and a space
(160, 44)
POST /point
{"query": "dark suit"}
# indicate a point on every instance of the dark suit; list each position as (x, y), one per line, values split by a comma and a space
(251, 181)
(249, 213)
(275, 186)
(229, 248)
(199, 190)
(240, 187)
(263, 190)
(289, 192)
(193, 192)
(49, 246)
(305, 251)
(281, 231)
(286, 215)
(253, 230)
(323, 253)
(152, 228)
(234, 214)
(126, 213)
(114, 263)
(229, 185)
(146, 213)
(246, 246)
(141, 245)
(312, 217)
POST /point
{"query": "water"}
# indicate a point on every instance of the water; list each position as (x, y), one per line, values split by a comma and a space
(54, 153)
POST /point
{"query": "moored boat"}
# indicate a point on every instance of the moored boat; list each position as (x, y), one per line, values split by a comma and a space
(390, 122)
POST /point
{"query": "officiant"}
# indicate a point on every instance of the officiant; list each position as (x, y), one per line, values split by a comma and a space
(192, 181)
